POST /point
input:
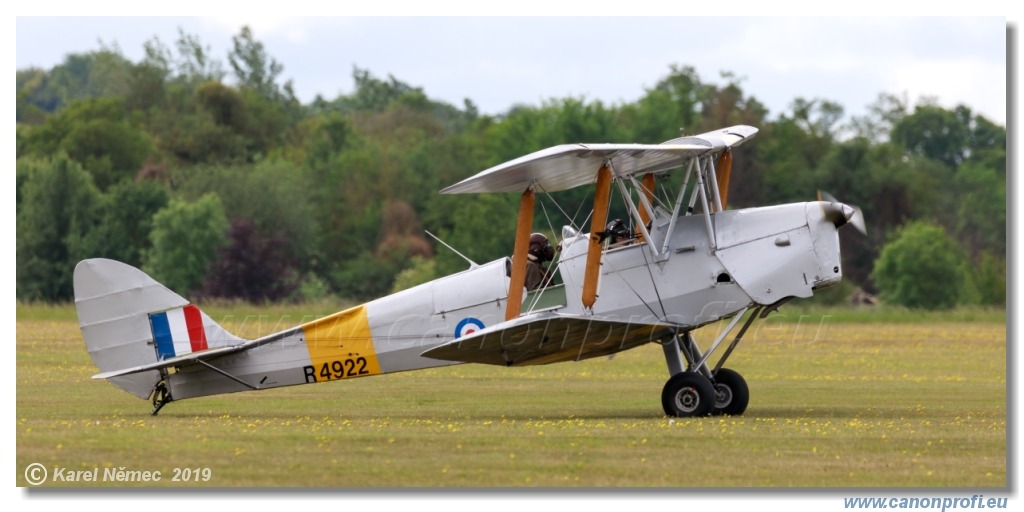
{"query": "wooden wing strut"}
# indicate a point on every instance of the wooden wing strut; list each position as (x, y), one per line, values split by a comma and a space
(524, 225)
(723, 168)
(597, 224)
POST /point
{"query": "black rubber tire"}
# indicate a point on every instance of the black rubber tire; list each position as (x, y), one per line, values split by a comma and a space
(731, 393)
(688, 395)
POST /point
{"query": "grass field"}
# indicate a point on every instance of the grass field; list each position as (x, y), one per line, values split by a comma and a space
(837, 400)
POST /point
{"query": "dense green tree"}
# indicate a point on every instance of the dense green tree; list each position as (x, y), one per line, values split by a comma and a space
(320, 138)
(35, 99)
(791, 173)
(224, 105)
(949, 136)
(125, 220)
(482, 227)
(186, 239)
(399, 240)
(272, 196)
(980, 220)
(419, 271)
(988, 145)
(58, 209)
(111, 151)
(22, 169)
(269, 126)
(987, 278)
(364, 277)
(922, 267)
(46, 140)
(189, 136)
(97, 134)
(103, 73)
(347, 203)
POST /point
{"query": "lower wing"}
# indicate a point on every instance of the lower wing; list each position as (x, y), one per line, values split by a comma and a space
(545, 338)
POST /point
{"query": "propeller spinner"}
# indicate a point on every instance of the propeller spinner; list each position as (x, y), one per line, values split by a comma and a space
(840, 213)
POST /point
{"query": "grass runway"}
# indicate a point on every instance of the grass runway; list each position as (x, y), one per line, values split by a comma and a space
(833, 404)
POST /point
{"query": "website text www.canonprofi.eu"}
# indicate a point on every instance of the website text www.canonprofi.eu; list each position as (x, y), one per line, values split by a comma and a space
(975, 502)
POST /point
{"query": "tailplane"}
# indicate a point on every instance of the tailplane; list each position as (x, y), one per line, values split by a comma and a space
(130, 320)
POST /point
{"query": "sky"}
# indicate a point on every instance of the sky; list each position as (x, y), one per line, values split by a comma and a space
(499, 62)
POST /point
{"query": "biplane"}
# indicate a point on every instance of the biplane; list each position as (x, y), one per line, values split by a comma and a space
(686, 262)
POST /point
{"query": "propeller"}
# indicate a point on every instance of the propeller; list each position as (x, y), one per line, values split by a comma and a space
(840, 213)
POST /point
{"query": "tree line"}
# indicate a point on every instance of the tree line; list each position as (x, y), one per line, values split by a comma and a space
(219, 182)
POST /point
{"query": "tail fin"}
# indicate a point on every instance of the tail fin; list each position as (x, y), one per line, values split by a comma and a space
(128, 320)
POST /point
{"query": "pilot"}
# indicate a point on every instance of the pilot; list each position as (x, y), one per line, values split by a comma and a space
(617, 233)
(540, 253)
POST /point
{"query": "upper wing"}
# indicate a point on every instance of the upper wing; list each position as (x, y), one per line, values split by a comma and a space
(545, 338)
(571, 165)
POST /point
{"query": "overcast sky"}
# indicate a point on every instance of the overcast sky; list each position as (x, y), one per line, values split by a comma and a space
(500, 62)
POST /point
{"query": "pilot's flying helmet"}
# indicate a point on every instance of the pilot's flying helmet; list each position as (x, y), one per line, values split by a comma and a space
(617, 231)
(540, 247)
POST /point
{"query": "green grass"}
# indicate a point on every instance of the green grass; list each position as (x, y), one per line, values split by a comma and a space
(833, 404)
(888, 314)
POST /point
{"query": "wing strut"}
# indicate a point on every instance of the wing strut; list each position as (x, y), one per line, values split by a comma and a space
(724, 168)
(518, 279)
(647, 189)
(597, 225)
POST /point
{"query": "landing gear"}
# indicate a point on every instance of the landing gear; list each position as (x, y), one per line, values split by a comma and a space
(161, 397)
(731, 393)
(695, 389)
(688, 395)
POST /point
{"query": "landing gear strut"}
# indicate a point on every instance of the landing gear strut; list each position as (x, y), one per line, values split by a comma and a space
(161, 397)
(697, 390)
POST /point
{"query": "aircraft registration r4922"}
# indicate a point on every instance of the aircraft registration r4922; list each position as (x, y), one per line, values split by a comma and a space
(681, 261)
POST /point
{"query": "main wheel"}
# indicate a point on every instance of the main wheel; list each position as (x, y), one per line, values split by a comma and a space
(687, 395)
(731, 393)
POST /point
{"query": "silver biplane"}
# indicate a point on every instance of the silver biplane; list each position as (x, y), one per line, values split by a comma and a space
(686, 262)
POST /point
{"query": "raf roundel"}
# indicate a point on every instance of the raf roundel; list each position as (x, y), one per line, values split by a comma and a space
(468, 326)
